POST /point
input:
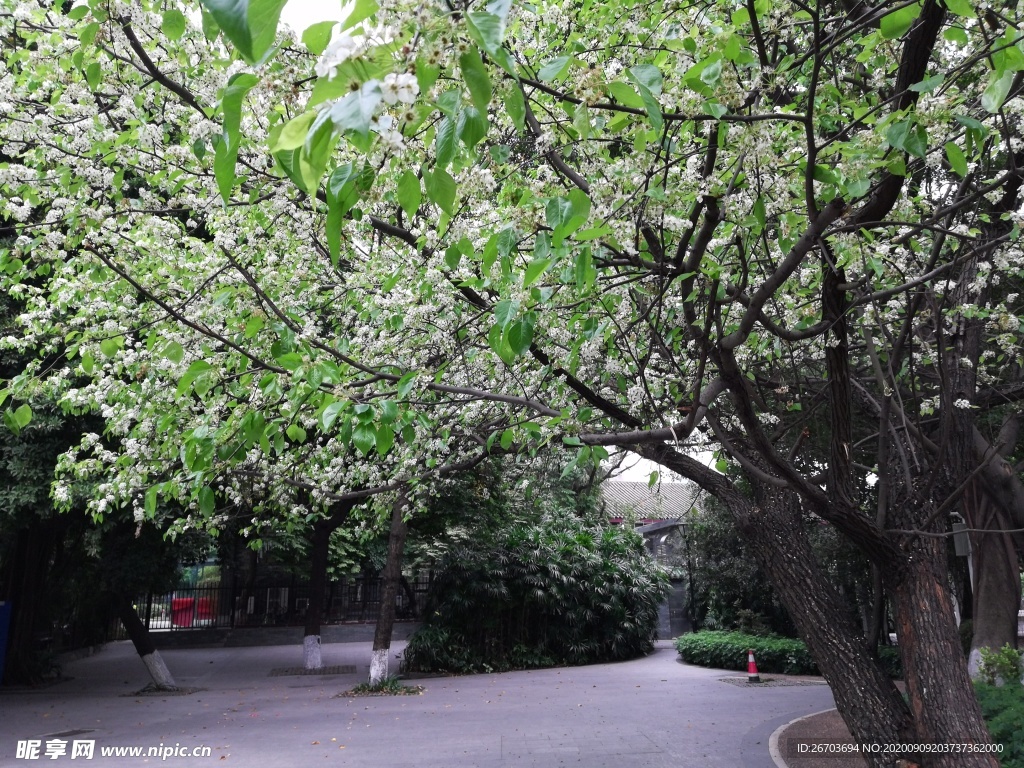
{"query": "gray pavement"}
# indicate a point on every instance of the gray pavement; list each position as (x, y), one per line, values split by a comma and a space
(649, 713)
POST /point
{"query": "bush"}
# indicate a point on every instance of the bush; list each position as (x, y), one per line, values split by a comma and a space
(1003, 710)
(728, 650)
(780, 655)
(1002, 666)
(557, 592)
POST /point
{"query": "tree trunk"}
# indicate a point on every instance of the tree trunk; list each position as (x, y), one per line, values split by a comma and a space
(941, 696)
(25, 588)
(139, 635)
(868, 700)
(389, 593)
(321, 542)
(996, 583)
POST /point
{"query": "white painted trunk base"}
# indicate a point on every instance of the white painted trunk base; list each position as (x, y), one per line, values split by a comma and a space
(158, 670)
(311, 656)
(974, 663)
(379, 666)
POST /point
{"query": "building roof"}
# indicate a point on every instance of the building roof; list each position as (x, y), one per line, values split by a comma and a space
(663, 501)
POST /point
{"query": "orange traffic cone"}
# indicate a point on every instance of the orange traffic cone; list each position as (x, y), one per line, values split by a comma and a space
(752, 676)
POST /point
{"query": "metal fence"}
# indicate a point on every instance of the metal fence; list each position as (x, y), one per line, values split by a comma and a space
(353, 599)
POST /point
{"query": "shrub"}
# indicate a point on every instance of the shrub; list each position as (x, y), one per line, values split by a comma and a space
(557, 592)
(728, 650)
(1002, 666)
(1003, 710)
(781, 655)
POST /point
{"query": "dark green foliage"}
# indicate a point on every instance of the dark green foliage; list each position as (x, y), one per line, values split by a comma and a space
(1003, 710)
(557, 592)
(781, 655)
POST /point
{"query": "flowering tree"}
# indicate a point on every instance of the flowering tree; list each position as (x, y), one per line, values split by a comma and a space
(787, 230)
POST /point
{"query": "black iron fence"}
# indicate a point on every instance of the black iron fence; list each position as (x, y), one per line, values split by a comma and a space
(352, 599)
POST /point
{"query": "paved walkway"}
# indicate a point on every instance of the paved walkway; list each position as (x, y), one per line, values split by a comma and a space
(649, 713)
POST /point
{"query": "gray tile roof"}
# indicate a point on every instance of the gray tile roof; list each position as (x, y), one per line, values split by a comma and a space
(665, 501)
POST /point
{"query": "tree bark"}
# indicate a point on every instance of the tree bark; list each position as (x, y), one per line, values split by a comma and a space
(320, 540)
(144, 646)
(868, 700)
(942, 699)
(866, 697)
(391, 577)
(996, 585)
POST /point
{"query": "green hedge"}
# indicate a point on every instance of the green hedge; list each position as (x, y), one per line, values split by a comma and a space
(780, 655)
(1003, 710)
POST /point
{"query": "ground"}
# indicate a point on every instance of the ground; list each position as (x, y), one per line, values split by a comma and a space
(649, 713)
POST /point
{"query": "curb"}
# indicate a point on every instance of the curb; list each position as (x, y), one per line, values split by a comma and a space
(773, 742)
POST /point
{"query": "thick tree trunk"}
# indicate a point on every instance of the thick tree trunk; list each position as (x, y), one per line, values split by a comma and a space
(941, 696)
(996, 583)
(391, 577)
(868, 700)
(139, 635)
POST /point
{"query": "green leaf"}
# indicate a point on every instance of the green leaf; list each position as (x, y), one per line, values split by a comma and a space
(408, 193)
(93, 75)
(477, 80)
(961, 8)
(385, 439)
(445, 142)
(440, 189)
(174, 352)
(173, 24)
(150, 502)
(452, 256)
(507, 438)
(23, 415)
(388, 411)
(207, 500)
(406, 384)
(197, 369)
(996, 92)
(649, 76)
(293, 133)
(210, 27)
(355, 111)
(534, 270)
(362, 10)
(504, 311)
(250, 26)
(553, 69)
(652, 480)
(317, 36)
(927, 85)
(109, 347)
(897, 23)
(712, 72)
(364, 437)
(957, 159)
(227, 148)
(516, 107)
(520, 334)
(296, 433)
(472, 126)
(487, 29)
(330, 415)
